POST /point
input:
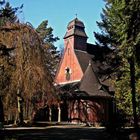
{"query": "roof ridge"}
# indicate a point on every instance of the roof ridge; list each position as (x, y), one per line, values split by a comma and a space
(81, 51)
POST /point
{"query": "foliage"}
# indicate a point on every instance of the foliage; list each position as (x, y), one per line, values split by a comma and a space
(6, 68)
(51, 53)
(8, 13)
(123, 94)
(45, 33)
(120, 28)
(24, 76)
(27, 71)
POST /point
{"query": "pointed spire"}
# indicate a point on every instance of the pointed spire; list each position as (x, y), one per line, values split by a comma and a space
(90, 83)
(76, 15)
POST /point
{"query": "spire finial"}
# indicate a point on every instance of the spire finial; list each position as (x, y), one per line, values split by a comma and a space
(76, 15)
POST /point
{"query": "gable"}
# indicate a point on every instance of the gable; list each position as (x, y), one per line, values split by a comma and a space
(69, 60)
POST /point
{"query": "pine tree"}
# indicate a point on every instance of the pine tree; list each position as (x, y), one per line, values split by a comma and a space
(52, 55)
(120, 27)
(8, 13)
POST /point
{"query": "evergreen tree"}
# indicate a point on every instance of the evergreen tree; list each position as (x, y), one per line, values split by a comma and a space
(52, 55)
(120, 28)
(8, 13)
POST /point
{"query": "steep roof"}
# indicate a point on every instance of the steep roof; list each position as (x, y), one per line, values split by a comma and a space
(76, 22)
(83, 59)
(91, 85)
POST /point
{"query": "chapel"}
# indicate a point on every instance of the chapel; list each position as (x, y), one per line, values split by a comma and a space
(85, 96)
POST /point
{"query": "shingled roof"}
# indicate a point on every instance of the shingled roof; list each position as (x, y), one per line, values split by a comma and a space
(76, 22)
(91, 85)
(75, 27)
(83, 59)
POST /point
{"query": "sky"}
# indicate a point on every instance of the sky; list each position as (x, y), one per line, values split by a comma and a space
(60, 12)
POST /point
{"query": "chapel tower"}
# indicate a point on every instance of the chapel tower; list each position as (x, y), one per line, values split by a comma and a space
(76, 35)
(75, 40)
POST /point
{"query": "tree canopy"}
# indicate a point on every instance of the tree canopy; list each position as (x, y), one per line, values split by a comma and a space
(8, 13)
(24, 76)
(120, 31)
(50, 50)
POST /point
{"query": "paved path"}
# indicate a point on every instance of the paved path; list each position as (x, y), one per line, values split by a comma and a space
(66, 132)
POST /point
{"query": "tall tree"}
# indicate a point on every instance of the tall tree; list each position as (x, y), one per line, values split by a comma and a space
(51, 52)
(28, 86)
(25, 83)
(120, 27)
(8, 13)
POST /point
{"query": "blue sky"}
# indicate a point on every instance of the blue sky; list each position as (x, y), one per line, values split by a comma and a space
(60, 12)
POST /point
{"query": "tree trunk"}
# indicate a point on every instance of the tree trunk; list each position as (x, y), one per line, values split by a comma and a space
(16, 117)
(59, 113)
(50, 114)
(1, 111)
(21, 113)
(20, 108)
(133, 91)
